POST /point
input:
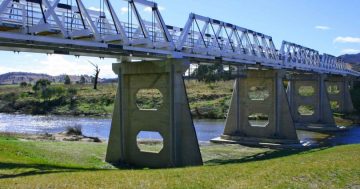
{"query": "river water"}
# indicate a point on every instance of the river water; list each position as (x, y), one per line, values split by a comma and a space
(96, 127)
(100, 127)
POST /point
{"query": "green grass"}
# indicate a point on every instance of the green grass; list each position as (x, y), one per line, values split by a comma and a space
(35, 164)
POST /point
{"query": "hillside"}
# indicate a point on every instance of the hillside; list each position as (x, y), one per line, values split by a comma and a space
(353, 59)
(18, 77)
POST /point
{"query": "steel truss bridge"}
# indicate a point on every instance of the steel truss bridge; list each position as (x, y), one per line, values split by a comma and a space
(69, 27)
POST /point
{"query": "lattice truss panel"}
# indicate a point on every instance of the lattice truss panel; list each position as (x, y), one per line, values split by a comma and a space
(295, 56)
(123, 27)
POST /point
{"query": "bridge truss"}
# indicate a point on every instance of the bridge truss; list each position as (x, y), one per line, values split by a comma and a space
(70, 27)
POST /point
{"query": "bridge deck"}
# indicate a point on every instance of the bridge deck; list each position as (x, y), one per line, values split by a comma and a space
(53, 27)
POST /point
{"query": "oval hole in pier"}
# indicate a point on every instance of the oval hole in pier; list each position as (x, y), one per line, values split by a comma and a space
(258, 120)
(149, 99)
(150, 141)
(334, 105)
(333, 89)
(306, 91)
(258, 93)
(306, 110)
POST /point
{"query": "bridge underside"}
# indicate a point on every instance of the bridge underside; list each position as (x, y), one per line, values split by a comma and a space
(265, 116)
(261, 112)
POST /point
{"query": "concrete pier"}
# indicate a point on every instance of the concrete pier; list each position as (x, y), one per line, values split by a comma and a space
(259, 111)
(172, 120)
(309, 102)
(338, 88)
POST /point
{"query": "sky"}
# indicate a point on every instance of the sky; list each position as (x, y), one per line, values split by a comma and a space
(329, 26)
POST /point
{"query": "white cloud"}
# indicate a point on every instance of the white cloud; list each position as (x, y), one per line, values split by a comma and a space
(347, 40)
(6, 70)
(94, 9)
(147, 9)
(350, 51)
(322, 27)
(161, 8)
(124, 10)
(57, 65)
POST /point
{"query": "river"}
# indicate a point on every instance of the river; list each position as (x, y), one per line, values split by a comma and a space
(100, 127)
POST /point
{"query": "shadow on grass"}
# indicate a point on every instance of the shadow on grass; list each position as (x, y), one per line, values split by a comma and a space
(37, 169)
(264, 156)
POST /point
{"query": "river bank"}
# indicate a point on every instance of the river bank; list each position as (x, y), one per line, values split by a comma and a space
(206, 100)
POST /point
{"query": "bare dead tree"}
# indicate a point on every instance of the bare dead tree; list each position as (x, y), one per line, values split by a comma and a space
(96, 75)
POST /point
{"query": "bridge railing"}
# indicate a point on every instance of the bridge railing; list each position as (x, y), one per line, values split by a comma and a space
(303, 58)
(201, 37)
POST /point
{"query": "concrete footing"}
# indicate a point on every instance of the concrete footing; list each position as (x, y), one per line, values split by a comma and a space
(309, 103)
(259, 111)
(172, 120)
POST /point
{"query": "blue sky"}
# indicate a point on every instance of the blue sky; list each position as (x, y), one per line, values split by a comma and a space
(329, 26)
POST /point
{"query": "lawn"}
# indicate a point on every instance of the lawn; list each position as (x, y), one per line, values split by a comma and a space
(46, 164)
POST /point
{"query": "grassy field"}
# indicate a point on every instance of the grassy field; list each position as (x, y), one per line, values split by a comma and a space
(206, 100)
(44, 164)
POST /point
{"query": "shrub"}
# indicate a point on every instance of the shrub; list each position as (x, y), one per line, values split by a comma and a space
(72, 92)
(82, 80)
(74, 130)
(23, 84)
(67, 80)
(41, 85)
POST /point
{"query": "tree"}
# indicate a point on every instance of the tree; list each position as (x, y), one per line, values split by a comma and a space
(67, 80)
(71, 92)
(212, 73)
(41, 89)
(23, 84)
(41, 85)
(96, 75)
(82, 80)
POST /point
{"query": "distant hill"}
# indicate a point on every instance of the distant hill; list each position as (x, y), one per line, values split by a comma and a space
(351, 58)
(354, 59)
(18, 77)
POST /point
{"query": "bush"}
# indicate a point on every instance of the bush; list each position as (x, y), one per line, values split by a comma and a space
(74, 130)
(67, 80)
(82, 80)
(23, 84)
(55, 91)
(41, 85)
(212, 73)
(72, 92)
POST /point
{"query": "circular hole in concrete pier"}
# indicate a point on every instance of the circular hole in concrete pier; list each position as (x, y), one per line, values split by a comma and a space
(333, 89)
(149, 99)
(150, 141)
(306, 91)
(306, 110)
(258, 93)
(335, 105)
(258, 120)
